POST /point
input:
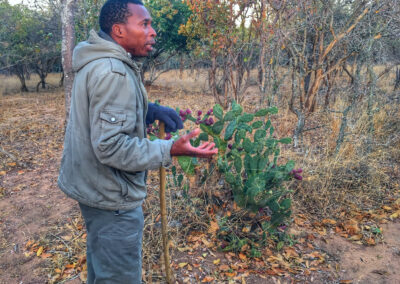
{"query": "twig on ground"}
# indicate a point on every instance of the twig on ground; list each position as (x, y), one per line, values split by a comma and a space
(13, 157)
(63, 241)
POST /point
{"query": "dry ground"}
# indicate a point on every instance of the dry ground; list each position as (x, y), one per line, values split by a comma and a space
(42, 238)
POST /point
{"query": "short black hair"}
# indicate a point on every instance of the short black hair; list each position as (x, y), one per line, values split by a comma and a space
(115, 12)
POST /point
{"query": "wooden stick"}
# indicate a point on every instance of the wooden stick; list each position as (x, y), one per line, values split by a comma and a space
(164, 220)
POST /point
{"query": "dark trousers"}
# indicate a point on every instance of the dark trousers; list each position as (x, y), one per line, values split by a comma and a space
(114, 245)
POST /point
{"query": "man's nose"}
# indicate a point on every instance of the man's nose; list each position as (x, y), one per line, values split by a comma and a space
(152, 32)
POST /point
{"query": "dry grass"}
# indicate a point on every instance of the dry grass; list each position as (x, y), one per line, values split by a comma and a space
(11, 84)
(362, 174)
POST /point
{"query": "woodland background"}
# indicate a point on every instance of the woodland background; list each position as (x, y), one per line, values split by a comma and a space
(331, 68)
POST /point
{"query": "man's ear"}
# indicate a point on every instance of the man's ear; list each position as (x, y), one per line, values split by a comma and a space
(118, 30)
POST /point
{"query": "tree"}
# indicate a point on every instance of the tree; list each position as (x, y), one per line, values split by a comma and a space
(67, 47)
(168, 17)
(18, 46)
(48, 40)
(30, 41)
(217, 31)
(315, 35)
(324, 37)
(86, 18)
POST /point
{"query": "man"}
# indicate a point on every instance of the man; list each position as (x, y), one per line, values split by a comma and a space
(106, 152)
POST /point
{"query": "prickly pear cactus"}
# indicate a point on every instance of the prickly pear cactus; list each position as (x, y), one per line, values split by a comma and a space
(248, 157)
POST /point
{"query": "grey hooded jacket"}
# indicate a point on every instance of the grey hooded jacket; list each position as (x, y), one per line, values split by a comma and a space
(106, 152)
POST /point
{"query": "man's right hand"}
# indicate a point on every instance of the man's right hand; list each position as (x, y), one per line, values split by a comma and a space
(165, 114)
(182, 147)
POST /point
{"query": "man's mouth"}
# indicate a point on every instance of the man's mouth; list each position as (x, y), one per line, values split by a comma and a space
(149, 46)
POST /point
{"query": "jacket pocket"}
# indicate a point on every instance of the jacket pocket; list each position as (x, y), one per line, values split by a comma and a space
(112, 118)
(111, 122)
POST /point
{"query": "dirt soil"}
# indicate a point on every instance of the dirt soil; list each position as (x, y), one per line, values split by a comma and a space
(367, 265)
(32, 207)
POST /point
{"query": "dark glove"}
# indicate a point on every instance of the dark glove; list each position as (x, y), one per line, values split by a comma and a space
(165, 114)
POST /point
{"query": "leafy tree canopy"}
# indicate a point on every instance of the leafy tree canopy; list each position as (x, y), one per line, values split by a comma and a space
(168, 16)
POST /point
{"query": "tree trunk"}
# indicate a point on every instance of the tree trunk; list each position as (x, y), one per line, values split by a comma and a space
(181, 66)
(42, 81)
(67, 47)
(397, 80)
(21, 78)
(298, 132)
(370, 103)
(24, 88)
(301, 118)
(356, 90)
(312, 95)
(212, 79)
(329, 81)
(61, 83)
(343, 126)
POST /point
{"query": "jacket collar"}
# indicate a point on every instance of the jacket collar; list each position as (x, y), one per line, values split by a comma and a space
(134, 64)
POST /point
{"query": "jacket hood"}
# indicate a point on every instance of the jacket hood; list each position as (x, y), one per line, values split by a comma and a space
(95, 48)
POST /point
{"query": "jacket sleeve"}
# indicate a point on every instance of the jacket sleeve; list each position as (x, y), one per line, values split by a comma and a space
(117, 128)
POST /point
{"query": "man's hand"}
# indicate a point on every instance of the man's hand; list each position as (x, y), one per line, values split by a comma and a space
(165, 114)
(182, 147)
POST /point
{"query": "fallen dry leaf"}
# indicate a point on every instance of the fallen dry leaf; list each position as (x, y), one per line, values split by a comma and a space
(83, 276)
(213, 227)
(182, 264)
(351, 227)
(395, 215)
(224, 267)
(207, 243)
(68, 271)
(67, 237)
(271, 272)
(39, 252)
(45, 255)
(329, 221)
(207, 279)
(370, 241)
(246, 229)
(230, 274)
(356, 237)
(290, 252)
(184, 249)
(29, 243)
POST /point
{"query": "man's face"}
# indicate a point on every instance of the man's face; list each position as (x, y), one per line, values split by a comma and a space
(136, 35)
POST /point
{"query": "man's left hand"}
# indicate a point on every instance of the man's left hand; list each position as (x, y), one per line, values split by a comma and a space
(182, 147)
(167, 115)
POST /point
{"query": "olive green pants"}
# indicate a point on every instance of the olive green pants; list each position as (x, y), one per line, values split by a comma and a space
(114, 245)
